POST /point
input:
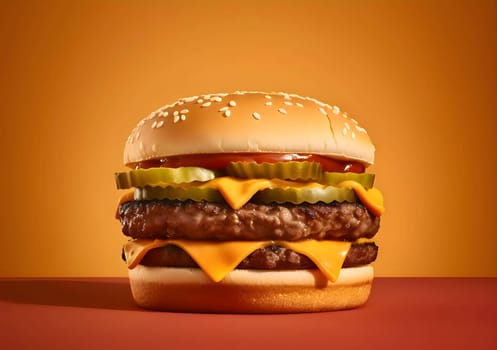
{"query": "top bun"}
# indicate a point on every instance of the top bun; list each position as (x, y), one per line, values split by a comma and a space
(248, 122)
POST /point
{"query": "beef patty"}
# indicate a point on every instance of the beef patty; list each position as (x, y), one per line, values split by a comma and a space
(272, 257)
(169, 219)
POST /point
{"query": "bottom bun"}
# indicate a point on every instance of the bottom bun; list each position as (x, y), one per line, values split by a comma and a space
(249, 291)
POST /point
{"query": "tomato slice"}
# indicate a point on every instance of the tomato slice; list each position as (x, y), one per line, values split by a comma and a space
(217, 161)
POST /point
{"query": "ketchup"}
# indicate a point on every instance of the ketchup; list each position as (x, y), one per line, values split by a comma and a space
(217, 161)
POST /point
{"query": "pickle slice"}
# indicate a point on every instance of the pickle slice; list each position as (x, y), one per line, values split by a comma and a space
(178, 193)
(309, 195)
(283, 170)
(162, 176)
(332, 178)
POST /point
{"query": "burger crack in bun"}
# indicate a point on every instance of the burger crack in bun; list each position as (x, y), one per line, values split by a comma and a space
(249, 202)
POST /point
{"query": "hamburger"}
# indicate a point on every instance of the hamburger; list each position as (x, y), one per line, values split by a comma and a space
(249, 202)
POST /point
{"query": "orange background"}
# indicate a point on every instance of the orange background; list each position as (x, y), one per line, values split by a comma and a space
(421, 76)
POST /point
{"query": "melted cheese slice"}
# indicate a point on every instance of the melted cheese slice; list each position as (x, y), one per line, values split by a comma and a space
(237, 192)
(371, 198)
(217, 259)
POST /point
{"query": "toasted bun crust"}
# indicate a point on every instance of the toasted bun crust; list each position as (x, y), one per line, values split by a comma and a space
(249, 291)
(248, 122)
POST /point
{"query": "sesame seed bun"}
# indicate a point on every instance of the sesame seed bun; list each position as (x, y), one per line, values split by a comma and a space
(249, 291)
(248, 122)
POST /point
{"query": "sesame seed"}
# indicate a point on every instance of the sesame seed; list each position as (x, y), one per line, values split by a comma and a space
(268, 103)
(256, 115)
(217, 99)
(154, 124)
(206, 104)
(344, 131)
(183, 117)
(137, 135)
(222, 109)
(358, 128)
(336, 110)
(288, 103)
(299, 105)
(353, 135)
(347, 126)
(232, 103)
(319, 103)
(184, 111)
(141, 145)
(190, 99)
(354, 121)
(159, 124)
(200, 100)
(176, 119)
(227, 113)
(165, 114)
(175, 113)
(322, 110)
(282, 111)
(345, 115)
(154, 147)
(268, 97)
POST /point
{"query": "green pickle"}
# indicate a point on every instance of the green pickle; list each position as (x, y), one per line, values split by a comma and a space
(165, 183)
(279, 195)
(283, 170)
(178, 193)
(331, 178)
(309, 195)
(162, 176)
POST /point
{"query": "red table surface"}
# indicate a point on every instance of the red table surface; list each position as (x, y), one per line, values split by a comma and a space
(97, 313)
